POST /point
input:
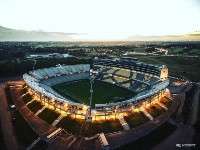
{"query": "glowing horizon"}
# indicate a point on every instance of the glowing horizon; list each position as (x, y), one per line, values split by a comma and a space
(104, 20)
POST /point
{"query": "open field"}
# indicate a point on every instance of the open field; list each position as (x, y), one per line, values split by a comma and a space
(186, 66)
(102, 92)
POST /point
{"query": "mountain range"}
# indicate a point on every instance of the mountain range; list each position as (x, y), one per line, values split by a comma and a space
(7, 34)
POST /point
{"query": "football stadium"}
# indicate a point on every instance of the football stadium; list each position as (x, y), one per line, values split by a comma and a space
(101, 90)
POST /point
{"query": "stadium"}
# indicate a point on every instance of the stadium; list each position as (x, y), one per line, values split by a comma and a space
(101, 90)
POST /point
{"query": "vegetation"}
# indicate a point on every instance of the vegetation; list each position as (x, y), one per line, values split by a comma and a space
(27, 98)
(136, 119)
(15, 67)
(173, 116)
(81, 127)
(107, 126)
(24, 133)
(48, 115)
(155, 110)
(35, 106)
(41, 145)
(153, 138)
(167, 102)
(24, 91)
(13, 55)
(2, 143)
(8, 95)
(103, 92)
(188, 104)
(179, 65)
(71, 125)
(196, 137)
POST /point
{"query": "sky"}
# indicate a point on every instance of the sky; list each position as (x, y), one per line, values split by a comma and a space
(103, 19)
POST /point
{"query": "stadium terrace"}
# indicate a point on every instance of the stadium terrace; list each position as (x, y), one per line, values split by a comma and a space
(149, 83)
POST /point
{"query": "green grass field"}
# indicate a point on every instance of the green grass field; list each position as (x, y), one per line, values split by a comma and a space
(186, 66)
(103, 92)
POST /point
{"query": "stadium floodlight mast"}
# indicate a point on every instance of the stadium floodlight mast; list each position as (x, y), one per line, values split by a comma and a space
(34, 64)
(91, 91)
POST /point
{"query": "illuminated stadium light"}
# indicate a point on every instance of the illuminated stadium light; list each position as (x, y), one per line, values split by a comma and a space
(140, 77)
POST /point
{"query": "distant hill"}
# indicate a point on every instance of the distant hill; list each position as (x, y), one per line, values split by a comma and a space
(184, 37)
(195, 33)
(7, 34)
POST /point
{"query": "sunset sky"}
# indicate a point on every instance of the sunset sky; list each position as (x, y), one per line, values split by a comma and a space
(103, 19)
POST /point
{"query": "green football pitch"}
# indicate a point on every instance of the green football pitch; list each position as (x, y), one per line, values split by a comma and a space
(79, 91)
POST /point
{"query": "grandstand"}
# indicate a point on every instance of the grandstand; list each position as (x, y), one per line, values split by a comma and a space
(148, 81)
(129, 79)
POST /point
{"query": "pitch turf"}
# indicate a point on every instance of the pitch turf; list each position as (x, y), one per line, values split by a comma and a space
(79, 91)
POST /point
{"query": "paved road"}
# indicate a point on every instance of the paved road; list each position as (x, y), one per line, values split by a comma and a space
(6, 122)
(37, 124)
(194, 111)
(15, 78)
(184, 133)
(125, 137)
(42, 128)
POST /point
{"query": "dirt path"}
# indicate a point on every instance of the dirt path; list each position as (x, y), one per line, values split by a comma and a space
(6, 122)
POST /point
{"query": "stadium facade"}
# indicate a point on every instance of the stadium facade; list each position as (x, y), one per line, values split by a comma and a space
(148, 81)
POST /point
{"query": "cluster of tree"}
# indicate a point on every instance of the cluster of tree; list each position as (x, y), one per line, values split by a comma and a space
(11, 68)
(150, 50)
(7, 54)
(48, 49)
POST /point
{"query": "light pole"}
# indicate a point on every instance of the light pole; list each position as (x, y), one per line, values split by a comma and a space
(34, 64)
(91, 91)
(115, 113)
